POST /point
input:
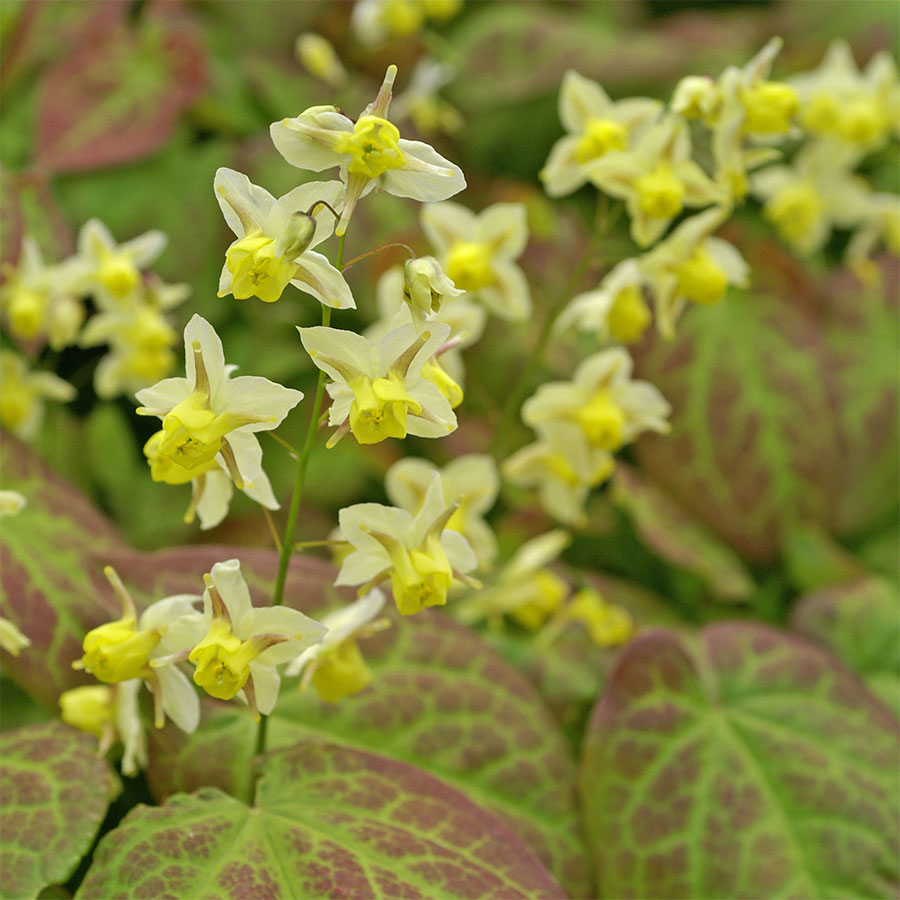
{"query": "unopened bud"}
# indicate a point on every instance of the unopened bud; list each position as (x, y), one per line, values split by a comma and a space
(425, 285)
(295, 235)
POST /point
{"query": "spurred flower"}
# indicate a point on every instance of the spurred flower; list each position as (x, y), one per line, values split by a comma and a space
(418, 553)
(236, 647)
(276, 240)
(369, 151)
(335, 666)
(209, 421)
(478, 253)
(378, 388)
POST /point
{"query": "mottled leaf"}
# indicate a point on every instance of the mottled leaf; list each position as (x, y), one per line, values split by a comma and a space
(679, 538)
(784, 412)
(54, 790)
(747, 763)
(860, 622)
(117, 95)
(440, 699)
(51, 573)
(328, 821)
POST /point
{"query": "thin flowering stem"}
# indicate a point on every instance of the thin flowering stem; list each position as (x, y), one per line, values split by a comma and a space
(287, 446)
(272, 529)
(302, 545)
(356, 259)
(303, 461)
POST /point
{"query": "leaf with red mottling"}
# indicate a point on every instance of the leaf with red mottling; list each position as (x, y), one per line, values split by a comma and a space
(54, 790)
(51, 574)
(328, 821)
(785, 411)
(679, 538)
(117, 96)
(441, 699)
(860, 622)
(747, 763)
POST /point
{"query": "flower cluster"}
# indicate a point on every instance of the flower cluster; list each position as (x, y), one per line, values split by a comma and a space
(46, 304)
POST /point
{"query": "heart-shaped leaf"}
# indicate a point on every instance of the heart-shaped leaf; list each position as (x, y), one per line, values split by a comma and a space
(785, 412)
(747, 763)
(860, 622)
(328, 821)
(440, 699)
(54, 790)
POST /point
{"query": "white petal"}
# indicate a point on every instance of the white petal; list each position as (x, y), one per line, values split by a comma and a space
(581, 100)
(505, 227)
(301, 199)
(257, 396)
(232, 588)
(198, 329)
(266, 683)
(459, 551)
(144, 249)
(215, 499)
(426, 177)
(510, 297)
(306, 141)
(316, 276)
(345, 347)
(445, 223)
(245, 205)
(180, 701)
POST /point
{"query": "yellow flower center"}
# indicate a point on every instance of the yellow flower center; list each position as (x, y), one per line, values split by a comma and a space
(701, 279)
(433, 371)
(373, 147)
(794, 210)
(150, 339)
(256, 269)
(606, 623)
(421, 577)
(602, 420)
(599, 137)
(468, 265)
(222, 661)
(27, 312)
(117, 273)
(862, 121)
(544, 595)
(769, 107)
(442, 10)
(629, 316)
(660, 193)
(87, 708)
(340, 672)
(192, 433)
(117, 651)
(379, 408)
(166, 469)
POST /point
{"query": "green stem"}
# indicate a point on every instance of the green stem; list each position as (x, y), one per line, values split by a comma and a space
(258, 751)
(287, 545)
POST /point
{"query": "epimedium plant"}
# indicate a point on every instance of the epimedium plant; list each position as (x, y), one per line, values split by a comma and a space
(322, 743)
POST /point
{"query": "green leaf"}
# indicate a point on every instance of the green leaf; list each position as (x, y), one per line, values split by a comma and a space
(815, 560)
(440, 699)
(328, 821)
(784, 413)
(679, 538)
(860, 622)
(51, 579)
(54, 789)
(747, 763)
(117, 95)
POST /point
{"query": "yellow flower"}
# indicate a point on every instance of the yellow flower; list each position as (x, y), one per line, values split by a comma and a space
(275, 240)
(369, 151)
(417, 552)
(209, 421)
(23, 395)
(236, 647)
(380, 389)
(127, 648)
(335, 666)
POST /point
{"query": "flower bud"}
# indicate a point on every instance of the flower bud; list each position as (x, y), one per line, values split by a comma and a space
(425, 285)
(295, 235)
